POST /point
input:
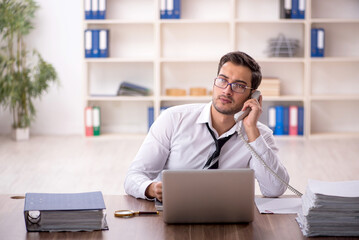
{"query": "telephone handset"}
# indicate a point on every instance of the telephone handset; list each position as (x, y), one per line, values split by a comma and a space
(242, 114)
(239, 116)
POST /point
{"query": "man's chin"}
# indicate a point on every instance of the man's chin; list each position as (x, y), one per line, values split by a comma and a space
(224, 110)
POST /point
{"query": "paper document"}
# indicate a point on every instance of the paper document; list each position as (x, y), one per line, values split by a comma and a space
(279, 205)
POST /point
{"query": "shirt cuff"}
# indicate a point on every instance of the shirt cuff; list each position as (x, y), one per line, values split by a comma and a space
(143, 188)
(259, 145)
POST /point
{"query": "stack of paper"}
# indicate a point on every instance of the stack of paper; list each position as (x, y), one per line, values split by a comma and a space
(130, 89)
(65, 212)
(330, 209)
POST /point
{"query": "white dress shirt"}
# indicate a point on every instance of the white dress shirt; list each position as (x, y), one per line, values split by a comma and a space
(179, 139)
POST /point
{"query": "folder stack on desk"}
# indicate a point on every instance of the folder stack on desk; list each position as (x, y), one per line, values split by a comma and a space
(330, 209)
(65, 212)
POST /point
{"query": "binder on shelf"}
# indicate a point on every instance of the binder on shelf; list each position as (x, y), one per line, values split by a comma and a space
(176, 9)
(95, 43)
(286, 120)
(94, 7)
(313, 42)
(163, 9)
(295, 10)
(103, 43)
(287, 8)
(88, 122)
(65, 212)
(88, 43)
(301, 9)
(151, 117)
(300, 120)
(317, 42)
(101, 9)
(279, 120)
(88, 9)
(271, 118)
(173, 8)
(320, 45)
(96, 120)
(293, 120)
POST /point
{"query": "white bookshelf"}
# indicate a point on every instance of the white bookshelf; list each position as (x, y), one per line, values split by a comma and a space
(184, 53)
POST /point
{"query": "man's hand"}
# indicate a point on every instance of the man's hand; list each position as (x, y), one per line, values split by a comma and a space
(250, 122)
(154, 190)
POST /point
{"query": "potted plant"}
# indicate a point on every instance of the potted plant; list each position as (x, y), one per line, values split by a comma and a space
(24, 75)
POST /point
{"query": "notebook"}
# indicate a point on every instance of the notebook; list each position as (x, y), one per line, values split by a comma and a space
(208, 196)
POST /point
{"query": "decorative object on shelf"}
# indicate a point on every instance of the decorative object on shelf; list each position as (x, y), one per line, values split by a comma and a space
(96, 43)
(270, 87)
(317, 39)
(282, 46)
(130, 89)
(198, 91)
(170, 9)
(22, 77)
(176, 92)
(95, 9)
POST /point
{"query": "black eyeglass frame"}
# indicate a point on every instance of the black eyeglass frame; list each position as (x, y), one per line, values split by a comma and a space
(242, 87)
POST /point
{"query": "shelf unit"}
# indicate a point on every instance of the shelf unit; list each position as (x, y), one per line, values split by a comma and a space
(184, 53)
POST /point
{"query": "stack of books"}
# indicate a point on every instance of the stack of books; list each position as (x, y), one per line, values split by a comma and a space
(270, 87)
(130, 89)
(330, 209)
(65, 212)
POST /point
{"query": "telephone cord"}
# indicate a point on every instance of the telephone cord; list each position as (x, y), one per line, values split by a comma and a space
(267, 167)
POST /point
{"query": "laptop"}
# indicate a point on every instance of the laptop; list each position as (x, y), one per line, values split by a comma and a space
(208, 196)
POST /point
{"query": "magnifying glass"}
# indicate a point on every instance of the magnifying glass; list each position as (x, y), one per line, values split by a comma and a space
(131, 213)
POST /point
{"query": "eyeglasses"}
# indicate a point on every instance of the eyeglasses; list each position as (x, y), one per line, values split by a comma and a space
(236, 87)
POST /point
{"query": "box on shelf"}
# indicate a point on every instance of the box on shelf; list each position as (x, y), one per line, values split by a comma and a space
(198, 91)
(270, 87)
(175, 92)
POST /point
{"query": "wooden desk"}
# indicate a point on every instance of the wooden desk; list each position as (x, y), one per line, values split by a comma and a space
(267, 226)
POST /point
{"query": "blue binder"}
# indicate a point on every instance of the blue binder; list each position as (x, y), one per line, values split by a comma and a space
(279, 118)
(320, 42)
(163, 9)
(314, 42)
(176, 9)
(102, 5)
(151, 117)
(286, 120)
(88, 43)
(300, 120)
(301, 9)
(95, 43)
(295, 10)
(94, 7)
(169, 9)
(271, 118)
(103, 43)
(88, 9)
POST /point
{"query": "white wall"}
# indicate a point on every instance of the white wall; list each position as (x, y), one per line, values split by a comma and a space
(58, 37)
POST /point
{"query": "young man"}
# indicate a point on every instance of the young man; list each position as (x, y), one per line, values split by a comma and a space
(188, 136)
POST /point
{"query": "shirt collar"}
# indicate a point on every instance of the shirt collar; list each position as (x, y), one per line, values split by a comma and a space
(205, 117)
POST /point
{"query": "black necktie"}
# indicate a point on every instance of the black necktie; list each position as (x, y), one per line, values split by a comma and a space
(212, 162)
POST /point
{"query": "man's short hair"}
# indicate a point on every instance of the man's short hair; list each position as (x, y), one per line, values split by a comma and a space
(243, 59)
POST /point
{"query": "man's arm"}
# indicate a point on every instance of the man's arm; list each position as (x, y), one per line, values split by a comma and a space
(150, 159)
(265, 147)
